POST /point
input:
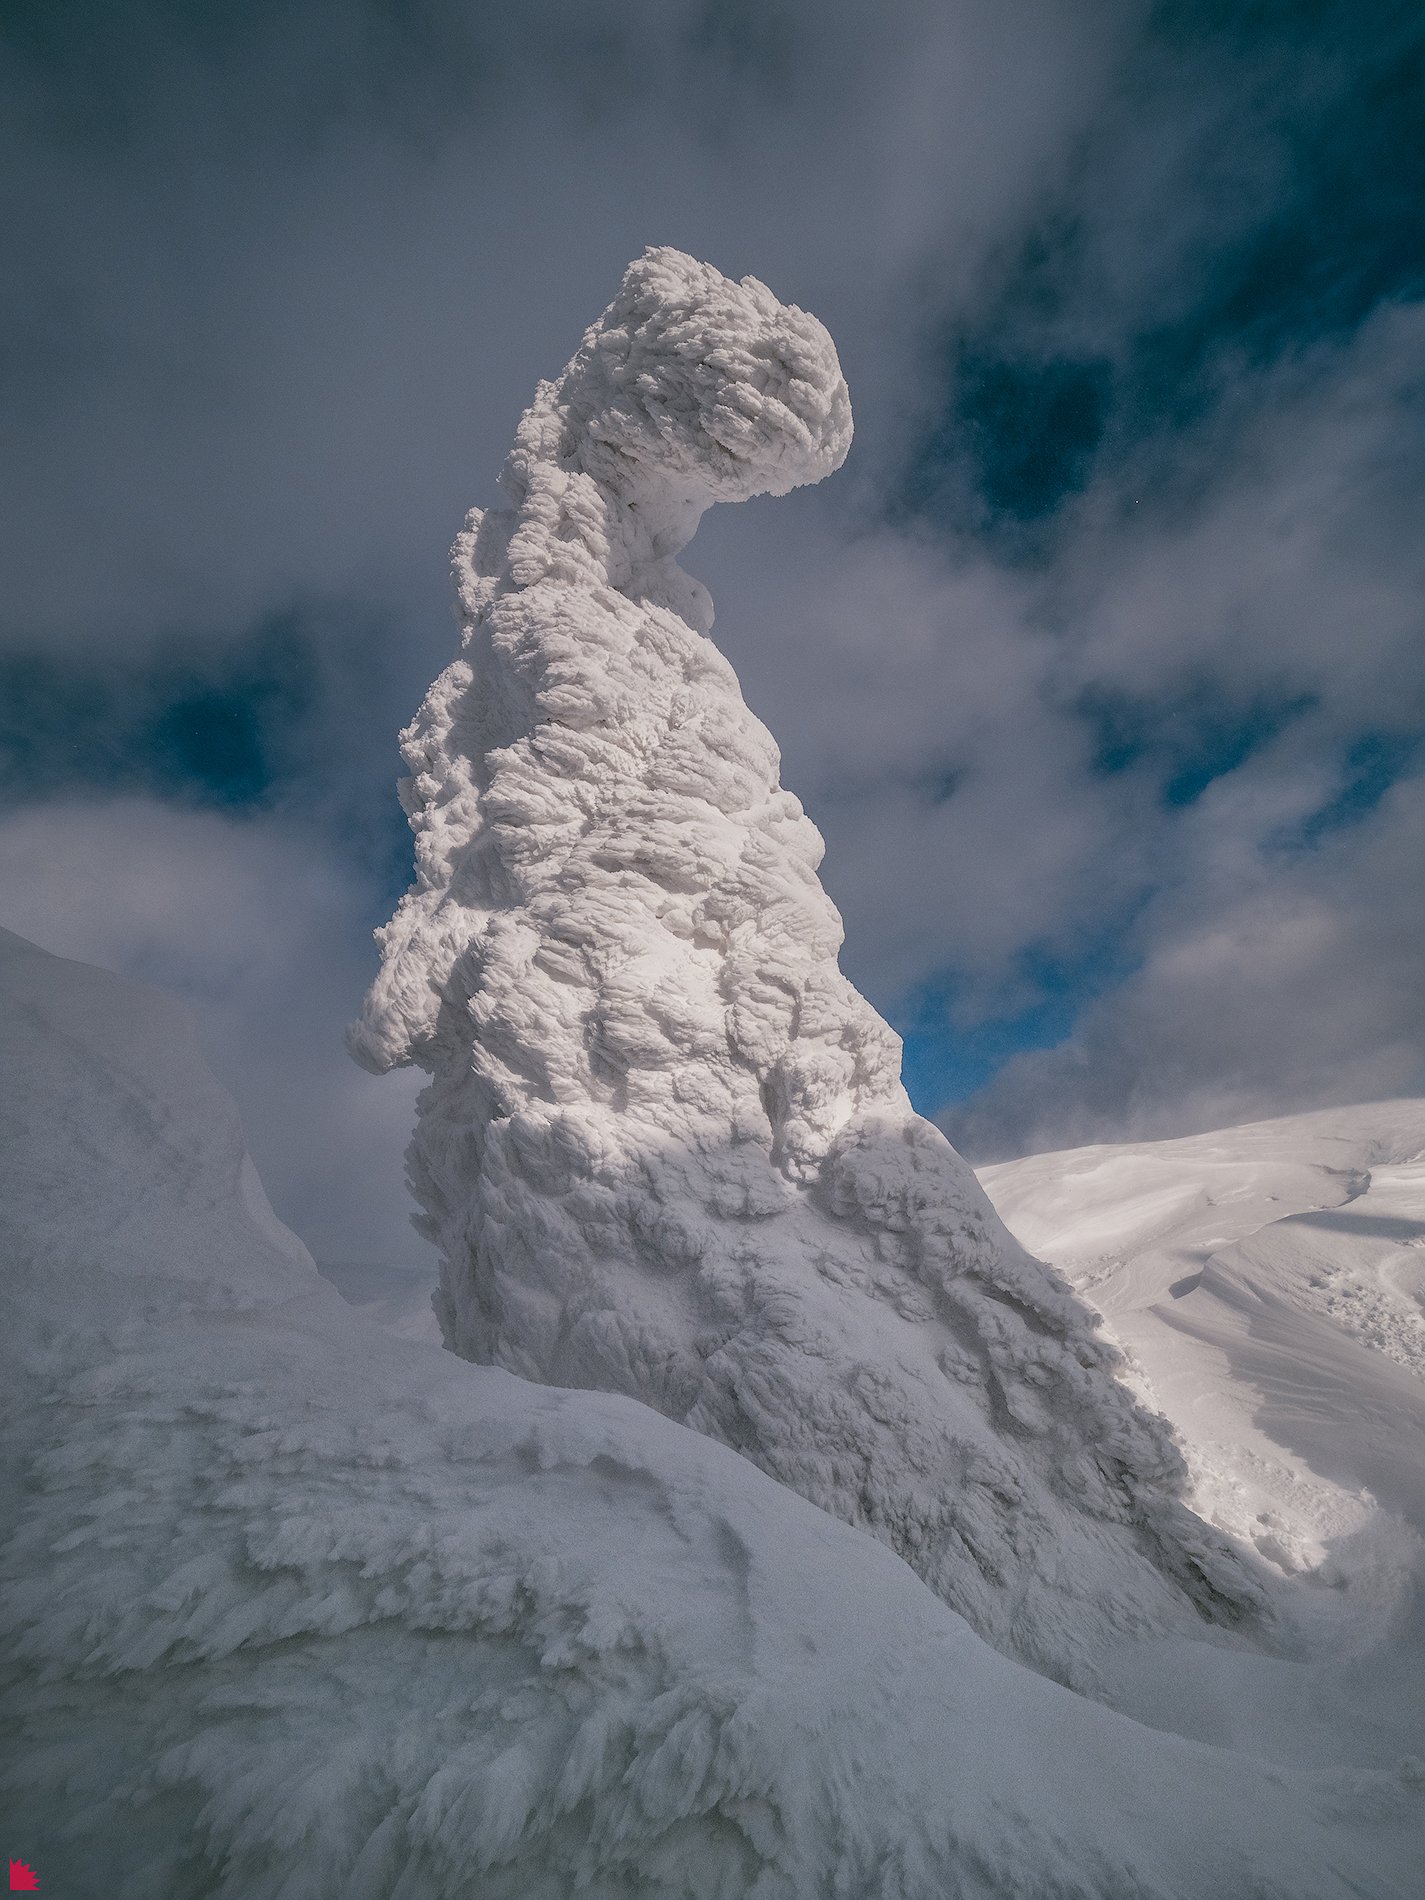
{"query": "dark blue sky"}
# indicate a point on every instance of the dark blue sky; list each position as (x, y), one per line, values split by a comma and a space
(1101, 666)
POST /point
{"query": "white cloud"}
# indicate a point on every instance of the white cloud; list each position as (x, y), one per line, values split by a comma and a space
(1298, 565)
(253, 927)
(275, 344)
(1270, 983)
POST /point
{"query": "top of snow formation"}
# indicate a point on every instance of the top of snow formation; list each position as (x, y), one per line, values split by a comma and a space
(689, 389)
(691, 382)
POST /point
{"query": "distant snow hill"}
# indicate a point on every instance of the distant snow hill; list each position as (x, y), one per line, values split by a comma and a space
(296, 1608)
(1269, 1282)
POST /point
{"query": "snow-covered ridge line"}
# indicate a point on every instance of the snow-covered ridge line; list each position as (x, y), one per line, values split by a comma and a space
(665, 1150)
(1269, 1281)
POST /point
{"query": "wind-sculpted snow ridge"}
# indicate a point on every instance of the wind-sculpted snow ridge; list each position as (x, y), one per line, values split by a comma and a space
(666, 1150)
(1269, 1283)
(290, 1608)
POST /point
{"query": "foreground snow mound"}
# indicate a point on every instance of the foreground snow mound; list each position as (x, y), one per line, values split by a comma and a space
(1269, 1282)
(295, 1609)
(666, 1150)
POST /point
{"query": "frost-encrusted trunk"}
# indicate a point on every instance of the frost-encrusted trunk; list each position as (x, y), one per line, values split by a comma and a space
(666, 1150)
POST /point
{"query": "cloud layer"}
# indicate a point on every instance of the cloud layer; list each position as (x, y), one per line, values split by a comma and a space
(1104, 648)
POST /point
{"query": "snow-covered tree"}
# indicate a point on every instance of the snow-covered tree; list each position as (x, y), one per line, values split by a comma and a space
(666, 1150)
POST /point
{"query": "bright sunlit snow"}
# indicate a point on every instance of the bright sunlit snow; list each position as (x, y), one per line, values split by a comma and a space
(1267, 1285)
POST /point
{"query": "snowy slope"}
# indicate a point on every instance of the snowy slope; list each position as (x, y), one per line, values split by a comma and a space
(1267, 1282)
(666, 1150)
(294, 1608)
(398, 1298)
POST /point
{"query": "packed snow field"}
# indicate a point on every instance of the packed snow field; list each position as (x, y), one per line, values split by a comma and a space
(777, 1524)
(1268, 1286)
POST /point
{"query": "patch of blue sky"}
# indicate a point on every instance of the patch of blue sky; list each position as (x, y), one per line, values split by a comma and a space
(285, 717)
(218, 727)
(948, 1055)
(1185, 741)
(1286, 217)
(1371, 766)
(1031, 428)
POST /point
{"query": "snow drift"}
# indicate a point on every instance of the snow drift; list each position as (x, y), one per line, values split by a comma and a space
(295, 1609)
(665, 1150)
(1269, 1283)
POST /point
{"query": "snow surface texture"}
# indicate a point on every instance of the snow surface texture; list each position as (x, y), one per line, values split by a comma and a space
(297, 1610)
(1266, 1282)
(1269, 1285)
(666, 1150)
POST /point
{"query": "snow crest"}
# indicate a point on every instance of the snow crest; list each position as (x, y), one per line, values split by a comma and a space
(665, 1150)
(1268, 1284)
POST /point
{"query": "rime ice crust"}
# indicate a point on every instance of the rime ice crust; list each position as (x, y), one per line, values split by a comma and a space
(665, 1150)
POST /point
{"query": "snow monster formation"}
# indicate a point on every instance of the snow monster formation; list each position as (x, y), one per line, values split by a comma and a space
(665, 1149)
